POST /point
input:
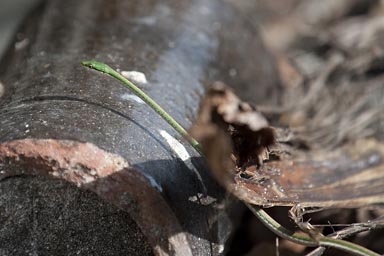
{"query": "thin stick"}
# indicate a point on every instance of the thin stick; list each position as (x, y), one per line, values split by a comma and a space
(257, 211)
(281, 231)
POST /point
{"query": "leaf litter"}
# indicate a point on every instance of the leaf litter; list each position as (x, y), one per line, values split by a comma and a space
(322, 146)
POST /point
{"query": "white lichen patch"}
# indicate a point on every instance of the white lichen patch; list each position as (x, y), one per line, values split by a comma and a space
(2, 89)
(88, 179)
(21, 44)
(202, 199)
(176, 146)
(132, 97)
(135, 76)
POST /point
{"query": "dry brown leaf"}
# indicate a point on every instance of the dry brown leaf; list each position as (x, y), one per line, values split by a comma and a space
(234, 135)
(236, 140)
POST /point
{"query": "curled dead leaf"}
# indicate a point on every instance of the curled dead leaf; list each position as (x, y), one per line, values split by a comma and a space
(234, 135)
(237, 140)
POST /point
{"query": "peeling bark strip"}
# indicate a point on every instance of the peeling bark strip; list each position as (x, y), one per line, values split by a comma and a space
(106, 174)
(79, 163)
(235, 139)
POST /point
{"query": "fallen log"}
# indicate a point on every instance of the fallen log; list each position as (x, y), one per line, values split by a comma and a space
(60, 120)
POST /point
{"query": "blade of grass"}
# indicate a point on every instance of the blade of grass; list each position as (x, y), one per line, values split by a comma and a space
(104, 68)
(267, 220)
